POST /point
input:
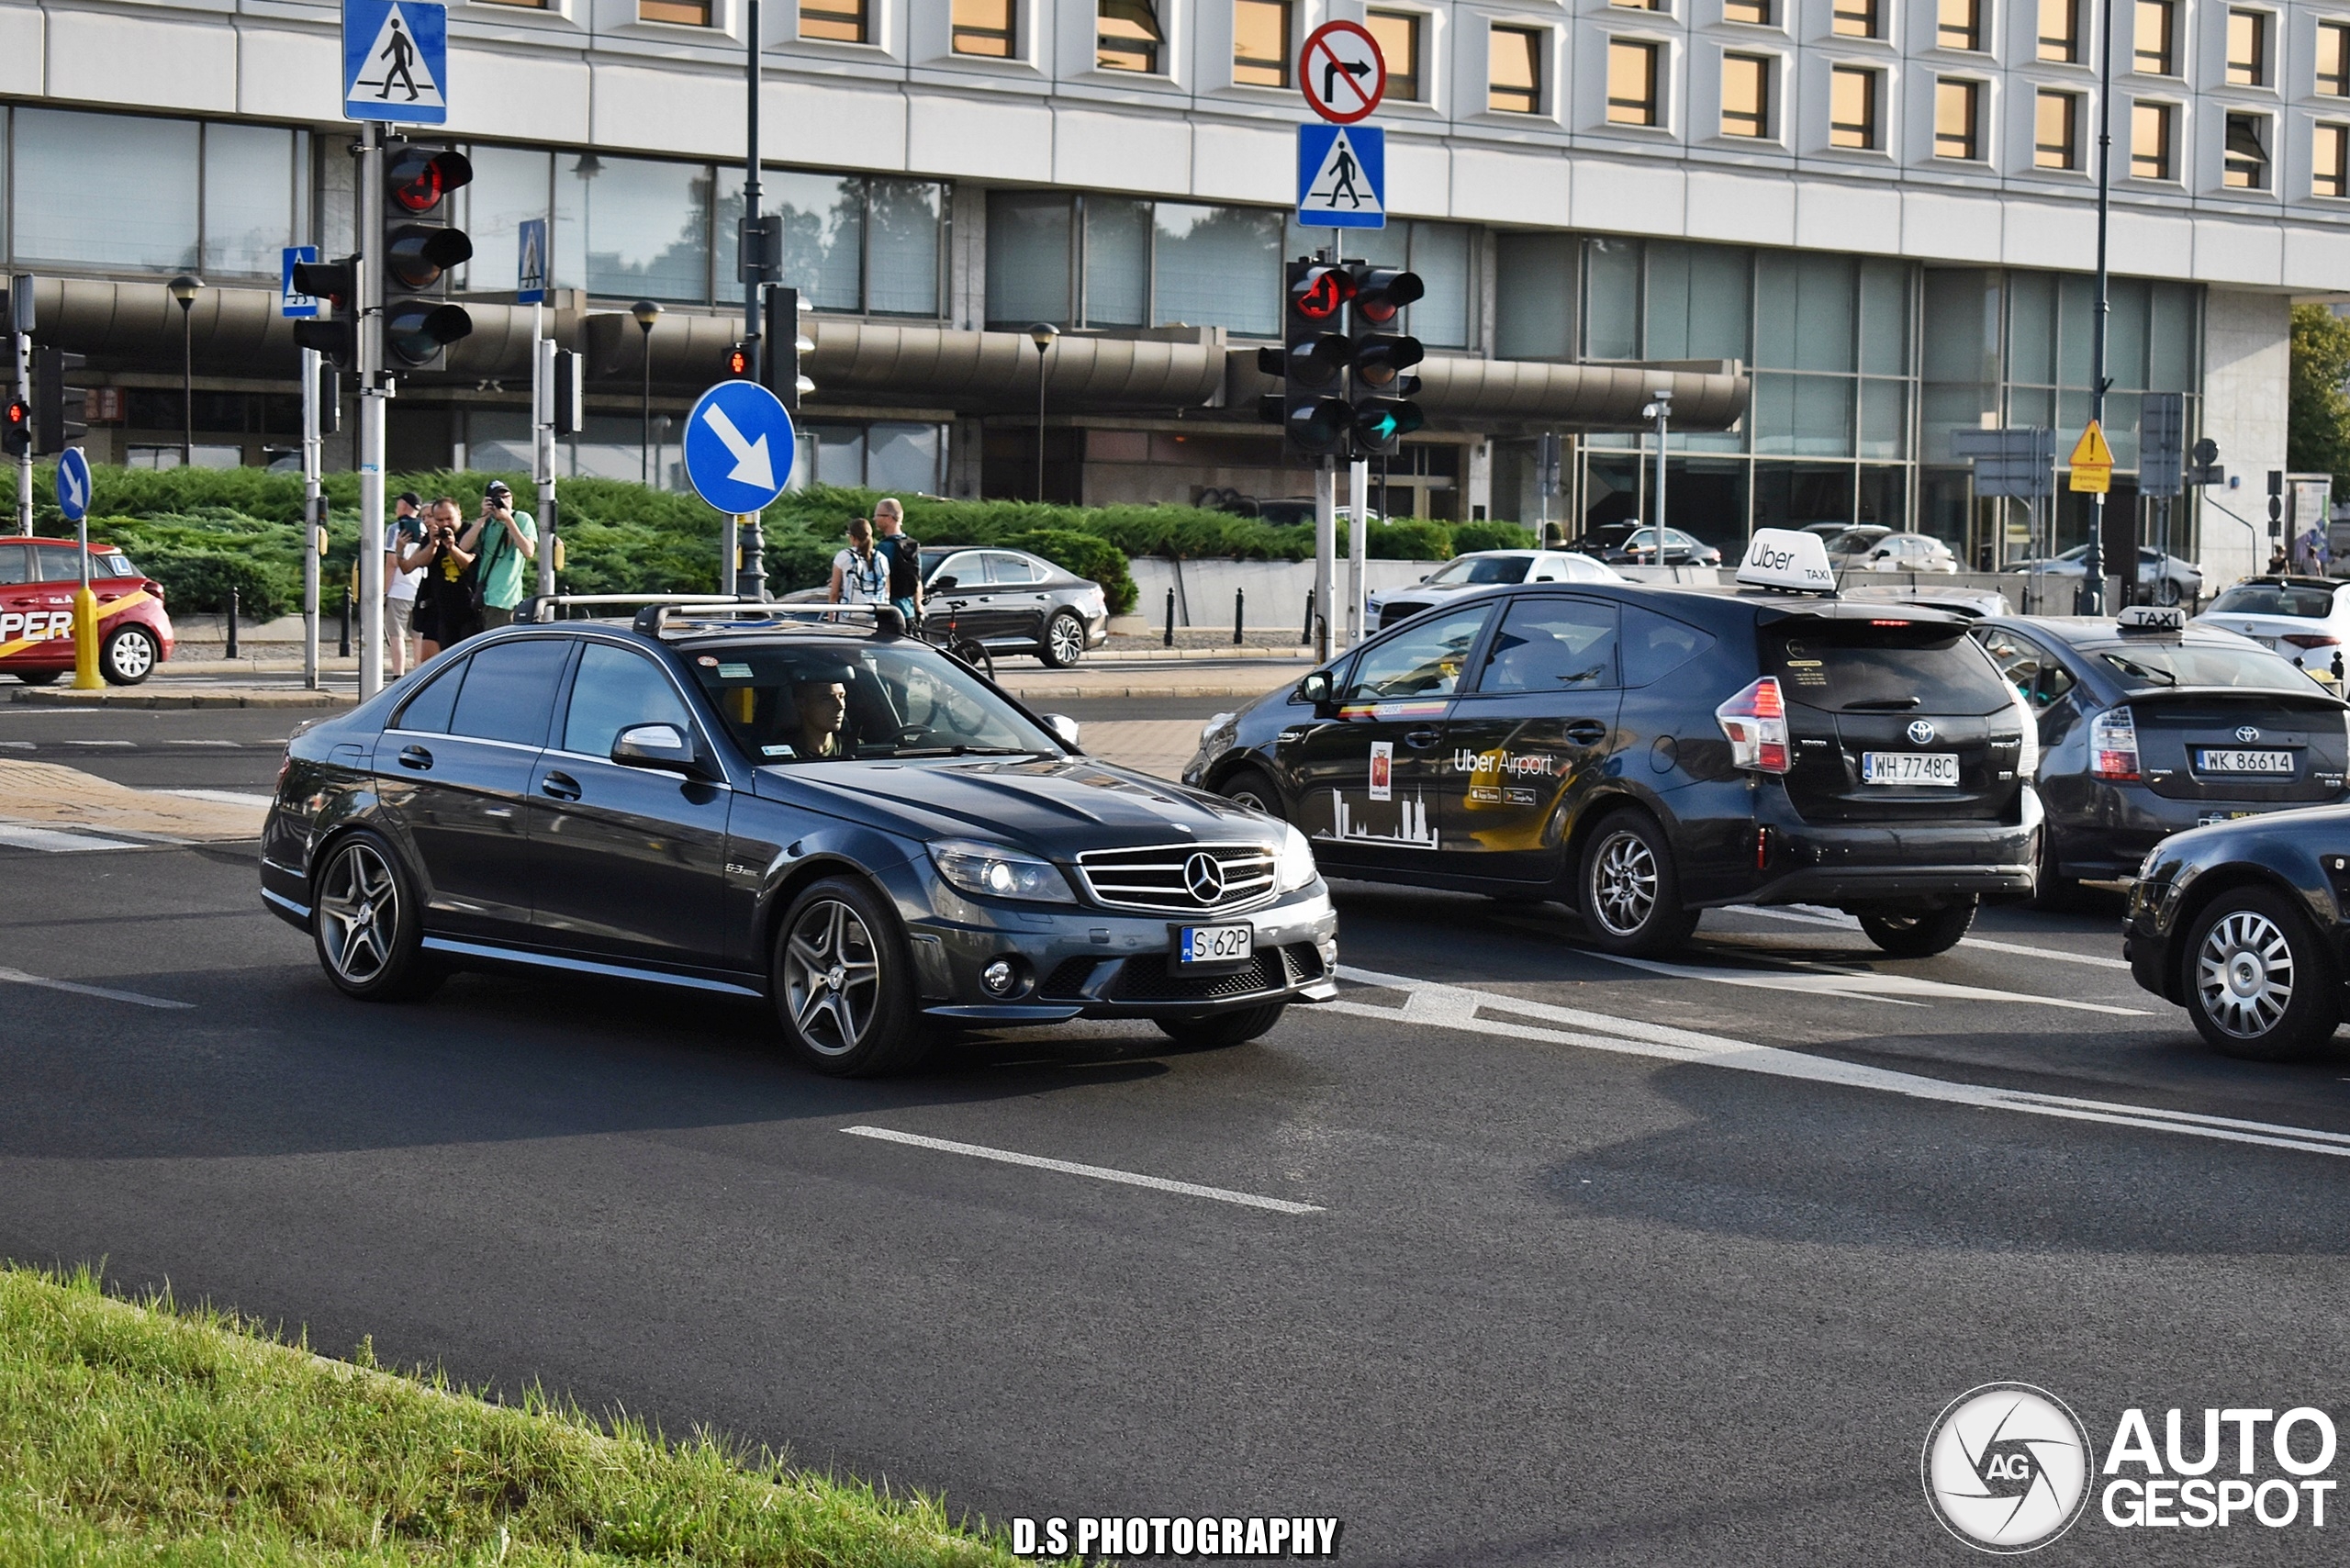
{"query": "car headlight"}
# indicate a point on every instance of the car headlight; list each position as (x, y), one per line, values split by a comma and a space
(1297, 867)
(991, 870)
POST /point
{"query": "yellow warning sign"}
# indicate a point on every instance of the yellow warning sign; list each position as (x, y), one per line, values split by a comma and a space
(2092, 463)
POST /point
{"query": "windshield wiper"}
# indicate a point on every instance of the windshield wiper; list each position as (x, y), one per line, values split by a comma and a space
(2131, 666)
(1881, 705)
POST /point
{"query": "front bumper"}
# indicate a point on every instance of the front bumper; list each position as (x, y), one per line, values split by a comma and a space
(1097, 630)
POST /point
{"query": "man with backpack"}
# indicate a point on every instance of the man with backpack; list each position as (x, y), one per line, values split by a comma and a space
(500, 540)
(904, 556)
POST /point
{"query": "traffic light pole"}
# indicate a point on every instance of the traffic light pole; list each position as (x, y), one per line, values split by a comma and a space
(542, 353)
(25, 458)
(1325, 549)
(1357, 545)
(2092, 595)
(314, 516)
(375, 386)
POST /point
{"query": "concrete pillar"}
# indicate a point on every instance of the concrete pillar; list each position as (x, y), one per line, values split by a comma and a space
(2247, 348)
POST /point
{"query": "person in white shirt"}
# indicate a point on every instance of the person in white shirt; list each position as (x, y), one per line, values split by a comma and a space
(861, 574)
(399, 587)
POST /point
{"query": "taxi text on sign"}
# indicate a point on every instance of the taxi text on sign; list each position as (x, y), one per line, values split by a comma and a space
(2092, 463)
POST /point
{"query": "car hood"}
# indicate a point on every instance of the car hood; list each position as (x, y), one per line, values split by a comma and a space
(1056, 806)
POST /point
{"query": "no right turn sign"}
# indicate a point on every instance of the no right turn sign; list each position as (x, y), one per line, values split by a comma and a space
(1342, 71)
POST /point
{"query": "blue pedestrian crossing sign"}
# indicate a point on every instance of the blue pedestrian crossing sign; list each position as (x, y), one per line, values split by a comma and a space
(72, 484)
(1341, 176)
(292, 304)
(739, 447)
(395, 61)
(531, 263)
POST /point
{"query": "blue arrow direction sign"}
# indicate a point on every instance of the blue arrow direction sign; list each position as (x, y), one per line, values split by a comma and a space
(72, 484)
(292, 303)
(395, 61)
(739, 447)
(1341, 176)
(531, 263)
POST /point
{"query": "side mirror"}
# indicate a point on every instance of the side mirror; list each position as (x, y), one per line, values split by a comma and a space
(1315, 687)
(1062, 726)
(655, 746)
(943, 583)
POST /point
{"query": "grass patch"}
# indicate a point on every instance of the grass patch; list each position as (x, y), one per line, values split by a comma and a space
(153, 1432)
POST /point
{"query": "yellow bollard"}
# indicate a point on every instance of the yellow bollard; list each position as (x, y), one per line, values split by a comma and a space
(85, 640)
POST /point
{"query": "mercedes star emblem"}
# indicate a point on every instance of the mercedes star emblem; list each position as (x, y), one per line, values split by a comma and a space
(1203, 877)
(1921, 732)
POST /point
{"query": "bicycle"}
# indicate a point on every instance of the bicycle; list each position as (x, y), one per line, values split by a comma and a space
(970, 651)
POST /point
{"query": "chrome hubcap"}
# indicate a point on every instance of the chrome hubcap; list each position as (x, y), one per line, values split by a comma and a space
(2243, 975)
(133, 655)
(359, 913)
(1623, 884)
(832, 978)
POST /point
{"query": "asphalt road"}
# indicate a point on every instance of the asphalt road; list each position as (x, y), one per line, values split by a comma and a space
(1585, 1278)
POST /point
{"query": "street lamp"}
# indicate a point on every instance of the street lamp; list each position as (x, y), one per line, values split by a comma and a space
(1661, 411)
(1042, 334)
(646, 312)
(185, 288)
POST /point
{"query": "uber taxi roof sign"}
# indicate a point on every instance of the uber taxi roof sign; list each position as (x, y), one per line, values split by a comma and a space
(1784, 558)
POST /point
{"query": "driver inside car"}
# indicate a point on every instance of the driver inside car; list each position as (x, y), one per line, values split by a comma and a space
(823, 707)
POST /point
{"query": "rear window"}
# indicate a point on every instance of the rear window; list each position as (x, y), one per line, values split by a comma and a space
(2273, 598)
(1486, 569)
(2172, 663)
(1853, 666)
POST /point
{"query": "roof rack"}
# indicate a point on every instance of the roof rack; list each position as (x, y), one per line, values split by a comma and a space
(655, 620)
(550, 607)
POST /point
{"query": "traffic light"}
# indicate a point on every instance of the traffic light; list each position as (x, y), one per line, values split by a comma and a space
(570, 389)
(334, 332)
(1380, 390)
(418, 251)
(741, 361)
(60, 412)
(16, 434)
(330, 399)
(783, 345)
(1312, 362)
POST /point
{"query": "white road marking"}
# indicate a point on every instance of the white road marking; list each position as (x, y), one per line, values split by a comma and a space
(109, 745)
(13, 836)
(1098, 1172)
(232, 746)
(225, 797)
(18, 976)
(16, 746)
(1862, 985)
(1433, 1003)
(1806, 915)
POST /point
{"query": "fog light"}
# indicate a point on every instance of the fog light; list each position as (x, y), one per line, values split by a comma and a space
(1328, 948)
(1000, 977)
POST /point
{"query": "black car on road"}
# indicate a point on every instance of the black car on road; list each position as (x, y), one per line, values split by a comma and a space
(2246, 925)
(741, 803)
(1013, 602)
(2150, 725)
(1642, 753)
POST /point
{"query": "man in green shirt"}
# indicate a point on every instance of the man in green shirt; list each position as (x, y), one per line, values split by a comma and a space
(500, 540)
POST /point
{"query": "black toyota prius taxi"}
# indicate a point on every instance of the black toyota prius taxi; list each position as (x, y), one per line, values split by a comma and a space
(1644, 752)
(835, 817)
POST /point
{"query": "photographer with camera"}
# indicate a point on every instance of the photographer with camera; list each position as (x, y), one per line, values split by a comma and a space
(445, 613)
(500, 540)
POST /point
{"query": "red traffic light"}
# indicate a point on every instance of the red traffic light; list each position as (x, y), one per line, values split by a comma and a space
(1381, 292)
(416, 178)
(741, 365)
(1318, 294)
(17, 435)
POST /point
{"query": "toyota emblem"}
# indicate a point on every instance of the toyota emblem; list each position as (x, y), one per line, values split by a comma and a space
(1203, 877)
(1921, 732)
(2248, 733)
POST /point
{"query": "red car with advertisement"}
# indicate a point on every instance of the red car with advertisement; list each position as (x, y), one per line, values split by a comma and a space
(38, 578)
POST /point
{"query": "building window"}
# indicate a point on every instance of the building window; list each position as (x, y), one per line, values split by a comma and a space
(1514, 70)
(2060, 31)
(1260, 43)
(1115, 262)
(983, 27)
(1852, 106)
(2150, 142)
(2056, 140)
(1397, 33)
(2334, 58)
(1631, 82)
(1959, 23)
(2155, 43)
(1856, 18)
(834, 21)
(2247, 165)
(1639, 4)
(2329, 162)
(2247, 49)
(1127, 36)
(1957, 107)
(1756, 11)
(1746, 95)
(678, 13)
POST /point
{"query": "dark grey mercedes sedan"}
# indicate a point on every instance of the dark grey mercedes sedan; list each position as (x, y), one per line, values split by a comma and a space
(747, 802)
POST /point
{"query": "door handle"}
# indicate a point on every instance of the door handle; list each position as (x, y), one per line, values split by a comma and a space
(1587, 732)
(1421, 740)
(562, 786)
(415, 757)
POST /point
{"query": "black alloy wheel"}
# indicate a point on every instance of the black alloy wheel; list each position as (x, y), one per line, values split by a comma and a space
(1628, 893)
(843, 982)
(1924, 933)
(1251, 788)
(128, 655)
(367, 921)
(1064, 640)
(2259, 983)
(1215, 1031)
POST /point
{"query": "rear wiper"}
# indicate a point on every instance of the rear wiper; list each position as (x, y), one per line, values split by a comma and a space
(2131, 666)
(1881, 705)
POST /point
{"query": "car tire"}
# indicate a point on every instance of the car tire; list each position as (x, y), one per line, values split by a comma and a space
(842, 983)
(1254, 788)
(1215, 1031)
(38, 676)
(2258, 982)
(367, 923)
(1923, 935)
(1629, 893)
(2166, 591)
(1064, 641)
(128, 655)
(2051, 889)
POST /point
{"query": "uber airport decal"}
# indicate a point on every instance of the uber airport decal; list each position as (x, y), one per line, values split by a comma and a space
(2009, 1468)
(1266, 1539)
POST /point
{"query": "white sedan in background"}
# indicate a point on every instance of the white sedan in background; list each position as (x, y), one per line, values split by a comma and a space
(2306, 619)
(1484, 569)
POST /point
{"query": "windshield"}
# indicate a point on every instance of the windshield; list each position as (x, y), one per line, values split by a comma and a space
(810, 702)
(1486, 569)
(2174, 663)
(2274, 599)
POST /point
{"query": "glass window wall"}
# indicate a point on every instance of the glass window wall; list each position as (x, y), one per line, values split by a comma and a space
(633, 226)
(113, 191)
(248, 184)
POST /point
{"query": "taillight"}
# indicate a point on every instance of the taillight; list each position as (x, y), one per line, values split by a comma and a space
(1756, 722)
(2114, 744)
(2311, 640)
